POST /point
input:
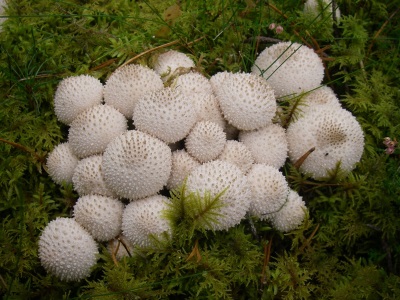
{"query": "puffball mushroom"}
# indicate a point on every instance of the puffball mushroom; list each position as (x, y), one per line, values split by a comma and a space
(100, 215)
(336, 136)
(246, 100)
(67, 250)
(88, 178)
(291, 215)
(216, 177)
(136, 165)
(76, 94)
(92, 130)
(182, 165)
(323, 95)
(128, 84)
(237, 153)
(317, 7)
(267, 145)
(269, 190)
(170, 63)
(290, 68)
(166, 114)
(193, 83)
(205, 141)
(61, 163)
(143, 218)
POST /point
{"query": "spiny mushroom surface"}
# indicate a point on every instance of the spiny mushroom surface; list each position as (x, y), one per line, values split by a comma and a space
(136, 165)
(267, 145)
(215, 177)
(246, 100)
(171, 63)
(92, 130)
(67, 250)
(182, 165)
(336, 136)
(88, 178)
(76, 94)
(193, 83)
(101, 216)
(269, 190)
(237, 153)
(166, 114)
(61, 163)
(290, 68)
(143, 218)
(205, 141)
(323, 95)
(128, 84)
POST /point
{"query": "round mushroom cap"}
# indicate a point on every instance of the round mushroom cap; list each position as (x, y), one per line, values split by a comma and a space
(291, 215)
(76, 94)
(88, 178)
(61, 163)
(336, 136)
(166, 114)
(136, 165)
(193, 83)
(237, 153)
(93, 129)
(323, 95)
(269, 190)
(290, 68)
(128, 84)
(267, 145)
(207, 109)
(143, 218)
(182, 165)
(213, 178)
(101, 216)
(67, 250)
(247, 101)
(206, 141)
(169, 64)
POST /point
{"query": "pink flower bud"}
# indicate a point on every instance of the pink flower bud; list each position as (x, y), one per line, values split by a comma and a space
(279, 29)
(272, 26)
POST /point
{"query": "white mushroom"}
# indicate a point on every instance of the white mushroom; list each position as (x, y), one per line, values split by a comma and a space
(61, 163)
(237, 153)
(182, 165)
(170, 63)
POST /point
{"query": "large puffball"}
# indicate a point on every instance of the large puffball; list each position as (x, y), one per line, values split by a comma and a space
(267, 145)
(169, 64)
(182, 165)
(269, 190)
(76, 94)
(67, 250)
(334, 133)
(143, 218)
(218, 176)
(92, 130)
(88, 178)
(166, 114)
(290, 68)
(101, 216)
(128, 84)
(205, 141)
(61, 163)
(136, 165)
(291, 215)
(246, 100)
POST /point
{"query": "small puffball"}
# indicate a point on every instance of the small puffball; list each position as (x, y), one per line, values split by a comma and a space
(290, 68)
(169, 64)
(136, 165)
(101, 216)
(76, 94)
(67, 250)
(267, 145)
(291, 215)
(269, 190)
(61, 163)
(193, 83)
(206, 141)
(128, 84)
(218, 176)
(323, 95)
(93, 129)
(207, 108)
(88, 178)
(247, 101)
(143, 218)
(237, 153)
(166, 114)
(182, 165)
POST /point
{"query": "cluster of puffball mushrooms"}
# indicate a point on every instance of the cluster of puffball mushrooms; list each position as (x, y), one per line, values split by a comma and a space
(148, 130)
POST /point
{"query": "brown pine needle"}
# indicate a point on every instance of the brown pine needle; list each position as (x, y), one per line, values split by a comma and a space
(267, 255)
(308, 241)
(195, 252)
(301, 160)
